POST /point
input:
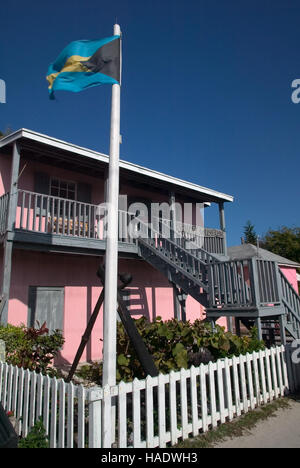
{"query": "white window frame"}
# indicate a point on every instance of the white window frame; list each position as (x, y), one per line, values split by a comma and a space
(64, 181)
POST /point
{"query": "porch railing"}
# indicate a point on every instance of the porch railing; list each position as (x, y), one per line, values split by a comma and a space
(211, 240)
(53, 215)
(47, 214)
(231, 284)
(243, 283)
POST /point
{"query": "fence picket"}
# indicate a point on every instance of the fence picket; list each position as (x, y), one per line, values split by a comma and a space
(15, 391)
(20, 400)
(62, 414)
(184, 403)
(26, 403)
(285, 368)
(242, 360)
(173, 408)
(274, 372)
(263, 376)
(194, 401)
(269, 377)
(81, 416)
(161, 411)
(31, 421)
(95, 419)
(236, 387)
(4, 386)
(39, 397)
(256, 379)
(279, 368)
(221, 390)
(212, 394)
(9, 388)
(53, 423)
(228, 388)
(70, 416)
(136, 407)
(203, 397)
(46, 404)
(250, 380)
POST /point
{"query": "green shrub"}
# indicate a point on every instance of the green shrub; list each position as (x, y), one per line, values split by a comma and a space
(36, 438)
(174, 345)
(31, 348)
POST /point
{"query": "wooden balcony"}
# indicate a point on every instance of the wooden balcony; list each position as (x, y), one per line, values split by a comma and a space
(48, 220)
(245, 286)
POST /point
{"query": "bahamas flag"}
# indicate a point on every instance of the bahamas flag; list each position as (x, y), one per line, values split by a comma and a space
(83, 64)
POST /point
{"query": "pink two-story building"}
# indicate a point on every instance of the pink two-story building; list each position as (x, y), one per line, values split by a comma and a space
(52, 228)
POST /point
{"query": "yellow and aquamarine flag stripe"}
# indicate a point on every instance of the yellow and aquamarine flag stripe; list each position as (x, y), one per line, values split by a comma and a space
(83, 64)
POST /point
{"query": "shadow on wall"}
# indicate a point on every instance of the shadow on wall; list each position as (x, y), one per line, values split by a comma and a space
(136, 301)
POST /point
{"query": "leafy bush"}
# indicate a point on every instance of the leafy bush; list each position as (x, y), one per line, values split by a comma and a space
(36, 438)
(31, 348)
(174, 345)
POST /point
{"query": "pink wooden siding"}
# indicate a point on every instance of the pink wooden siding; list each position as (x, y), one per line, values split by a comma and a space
(150, 294)
(291, 275)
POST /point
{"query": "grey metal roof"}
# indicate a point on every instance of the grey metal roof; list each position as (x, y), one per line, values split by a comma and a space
(244, 251)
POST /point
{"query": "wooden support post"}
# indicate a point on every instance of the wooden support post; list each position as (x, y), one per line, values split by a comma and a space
(223, 225)
(237, 326)
(258, 326)
(176, 302)
(213, 324)
(179, 303)
(8, 245)
(282, 329)
(229, 324)
(183, 297)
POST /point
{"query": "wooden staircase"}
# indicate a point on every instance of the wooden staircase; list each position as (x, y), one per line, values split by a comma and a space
(253, 290)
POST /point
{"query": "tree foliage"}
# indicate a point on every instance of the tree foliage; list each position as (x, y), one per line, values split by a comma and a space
(284, 242)
(250, 236)
(6, 132)
(36, 438)
(31, 348)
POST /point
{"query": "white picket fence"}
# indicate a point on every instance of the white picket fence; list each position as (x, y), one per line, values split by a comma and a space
(155, 412)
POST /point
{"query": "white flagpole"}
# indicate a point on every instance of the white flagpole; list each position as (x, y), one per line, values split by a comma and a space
(111, 260)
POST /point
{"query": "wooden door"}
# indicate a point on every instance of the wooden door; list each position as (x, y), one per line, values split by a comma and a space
(46, 304)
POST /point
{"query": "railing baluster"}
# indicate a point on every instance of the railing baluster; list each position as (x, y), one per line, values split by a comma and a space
(41, 212)
(22, 210)
(28, 212)
(46, 228)
(69, 217)
(74, 218)
(64, 217)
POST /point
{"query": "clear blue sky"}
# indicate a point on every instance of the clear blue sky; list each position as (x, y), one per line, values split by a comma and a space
(206, 92)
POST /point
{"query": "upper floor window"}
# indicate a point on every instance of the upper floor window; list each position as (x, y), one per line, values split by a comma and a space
(63, 189)
(66, 189)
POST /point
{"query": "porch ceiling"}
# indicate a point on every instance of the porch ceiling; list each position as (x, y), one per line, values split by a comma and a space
(65, 155)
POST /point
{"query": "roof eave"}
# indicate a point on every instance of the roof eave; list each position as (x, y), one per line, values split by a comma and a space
(45, 139)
